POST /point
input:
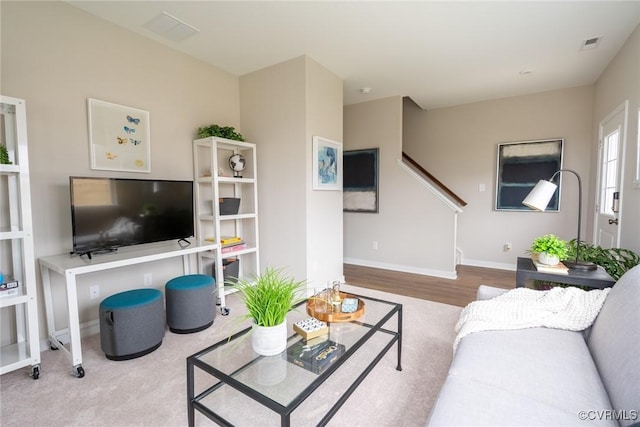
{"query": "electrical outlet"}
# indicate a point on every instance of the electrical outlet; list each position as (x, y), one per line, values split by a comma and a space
(94, 292)
(148, 279)
(374, 245)
(506, 247)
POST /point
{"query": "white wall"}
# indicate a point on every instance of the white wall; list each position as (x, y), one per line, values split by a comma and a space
(284, 106)
(458, 145)
(55, 57)
(413, 229)
(620, 82)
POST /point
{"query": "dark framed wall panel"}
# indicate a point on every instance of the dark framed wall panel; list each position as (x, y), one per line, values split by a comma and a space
(520, 166)
(360, 180)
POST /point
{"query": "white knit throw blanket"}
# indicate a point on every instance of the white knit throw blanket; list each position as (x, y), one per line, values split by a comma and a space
(568, 308)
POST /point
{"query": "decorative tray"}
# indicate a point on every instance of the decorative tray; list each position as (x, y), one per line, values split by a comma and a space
(323, 310)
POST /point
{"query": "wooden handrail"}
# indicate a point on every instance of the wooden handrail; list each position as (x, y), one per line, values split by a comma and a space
(433, 179)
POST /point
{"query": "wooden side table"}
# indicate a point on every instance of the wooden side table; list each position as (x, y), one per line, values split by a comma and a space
(597, 279)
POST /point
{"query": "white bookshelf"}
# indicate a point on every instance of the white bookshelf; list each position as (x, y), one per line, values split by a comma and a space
(17, 261)
(213, 180)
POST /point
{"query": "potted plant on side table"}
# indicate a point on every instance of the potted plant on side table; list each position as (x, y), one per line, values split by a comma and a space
(268, 298)
(549, 249)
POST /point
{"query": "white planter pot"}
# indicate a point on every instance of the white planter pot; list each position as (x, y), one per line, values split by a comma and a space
(269, 340)
(546, 259)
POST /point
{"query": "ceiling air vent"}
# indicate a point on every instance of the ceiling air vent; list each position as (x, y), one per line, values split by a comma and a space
(170, 27)
(590, 43)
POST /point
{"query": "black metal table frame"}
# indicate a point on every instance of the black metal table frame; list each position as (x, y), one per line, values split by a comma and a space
(285, 412)
(597, 279)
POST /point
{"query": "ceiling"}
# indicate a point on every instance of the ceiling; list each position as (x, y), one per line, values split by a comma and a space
(438, 53)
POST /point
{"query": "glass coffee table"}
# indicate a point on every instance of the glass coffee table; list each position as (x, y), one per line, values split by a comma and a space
(234, 385)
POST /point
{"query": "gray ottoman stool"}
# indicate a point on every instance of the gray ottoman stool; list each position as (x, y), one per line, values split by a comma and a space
(131, 323)
(190, 303)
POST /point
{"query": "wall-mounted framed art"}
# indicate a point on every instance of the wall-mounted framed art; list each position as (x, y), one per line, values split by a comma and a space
(118, 137)
(360, 181)
(636, 181)
(327, 164)
(520, 166)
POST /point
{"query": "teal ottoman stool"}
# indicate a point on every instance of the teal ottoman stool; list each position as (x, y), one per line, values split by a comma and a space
(131, 323)
(190, 303)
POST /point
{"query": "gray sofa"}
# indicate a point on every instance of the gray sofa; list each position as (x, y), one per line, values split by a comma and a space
(549, 377)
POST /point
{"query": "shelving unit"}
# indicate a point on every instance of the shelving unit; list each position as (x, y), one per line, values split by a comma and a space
(17, 260)
(214, 179)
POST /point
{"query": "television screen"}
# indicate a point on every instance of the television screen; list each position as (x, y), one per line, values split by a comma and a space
(107, 213)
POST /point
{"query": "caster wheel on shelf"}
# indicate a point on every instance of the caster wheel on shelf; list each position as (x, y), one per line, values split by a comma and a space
(79, 371)
(225, 311)
(35, 372)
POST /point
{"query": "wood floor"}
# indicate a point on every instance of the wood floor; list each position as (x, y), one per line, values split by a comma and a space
(459, 292)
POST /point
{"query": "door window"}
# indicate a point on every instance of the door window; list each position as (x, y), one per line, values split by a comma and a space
(610, 156)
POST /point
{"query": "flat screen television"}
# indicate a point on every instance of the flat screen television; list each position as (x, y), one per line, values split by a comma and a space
(107, 213)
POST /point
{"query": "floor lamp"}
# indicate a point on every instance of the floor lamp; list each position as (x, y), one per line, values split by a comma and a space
(539, 198)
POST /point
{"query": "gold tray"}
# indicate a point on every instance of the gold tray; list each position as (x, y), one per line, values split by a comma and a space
(322, 310)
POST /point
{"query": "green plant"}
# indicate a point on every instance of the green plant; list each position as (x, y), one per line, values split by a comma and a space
(219, 131)
(550, 244)
(4, 156)
(615, 261)
(270, 296)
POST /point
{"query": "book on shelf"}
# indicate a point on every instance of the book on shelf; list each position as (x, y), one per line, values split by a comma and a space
(228, 240)
(8, 284)
(234, 247)
(315, 355)
(9, 288)
(559, 268)
(225, 241)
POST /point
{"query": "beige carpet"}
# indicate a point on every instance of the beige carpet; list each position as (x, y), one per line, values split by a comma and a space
(151, 391)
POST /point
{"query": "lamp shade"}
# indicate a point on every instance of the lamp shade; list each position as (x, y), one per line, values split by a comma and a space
(540, 196)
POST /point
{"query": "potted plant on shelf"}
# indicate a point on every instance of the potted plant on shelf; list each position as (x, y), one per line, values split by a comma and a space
(549, 249)
(268, 298)
(220, 131)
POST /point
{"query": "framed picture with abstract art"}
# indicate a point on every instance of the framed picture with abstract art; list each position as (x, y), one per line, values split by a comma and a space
(520, 166)
(360, 181)
(118, 137)
(327, 164)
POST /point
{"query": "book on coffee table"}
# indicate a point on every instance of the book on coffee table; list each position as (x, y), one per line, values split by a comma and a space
(315, 355)
(559, 268)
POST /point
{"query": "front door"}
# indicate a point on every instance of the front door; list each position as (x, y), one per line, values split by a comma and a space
(610, 166)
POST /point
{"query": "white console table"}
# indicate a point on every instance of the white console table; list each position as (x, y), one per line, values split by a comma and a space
(71, 266)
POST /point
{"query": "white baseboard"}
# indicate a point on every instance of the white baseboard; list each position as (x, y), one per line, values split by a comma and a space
(86, 329)
(405, 269)
(489, 264)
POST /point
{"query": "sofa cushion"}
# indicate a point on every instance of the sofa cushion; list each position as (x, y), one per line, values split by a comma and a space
(614, 342)
(458, 405)
(523, 377)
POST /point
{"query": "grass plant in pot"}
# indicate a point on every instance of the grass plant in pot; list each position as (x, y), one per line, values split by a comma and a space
(549, 249)
(268, 298)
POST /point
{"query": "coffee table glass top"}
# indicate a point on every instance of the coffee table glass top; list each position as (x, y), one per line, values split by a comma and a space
(274, 378)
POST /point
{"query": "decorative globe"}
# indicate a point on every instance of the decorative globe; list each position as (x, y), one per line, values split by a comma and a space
(237, 164)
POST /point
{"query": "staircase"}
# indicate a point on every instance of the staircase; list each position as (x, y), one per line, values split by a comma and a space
(432, 183)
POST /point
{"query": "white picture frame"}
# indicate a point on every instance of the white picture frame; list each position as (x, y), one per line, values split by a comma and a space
(119, 137)
(327, 164)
